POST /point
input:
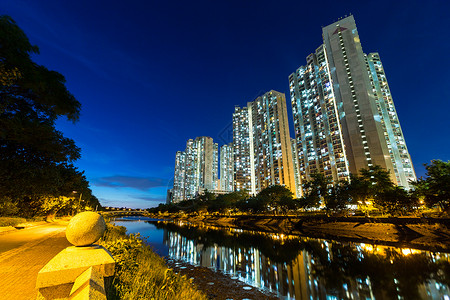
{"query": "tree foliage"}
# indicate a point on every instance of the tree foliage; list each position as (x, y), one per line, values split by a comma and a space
(375, 184)
(314, 191)
(376, 179)
(371, 189)
(275, 197)
(35, 158)
(435, 188)
(338, 198)
(358, 190)
(396, 201)
(228, 201)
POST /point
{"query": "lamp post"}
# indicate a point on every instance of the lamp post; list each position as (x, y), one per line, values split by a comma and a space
(79, 201)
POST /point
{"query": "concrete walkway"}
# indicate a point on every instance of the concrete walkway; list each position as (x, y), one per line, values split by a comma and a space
(23, 253)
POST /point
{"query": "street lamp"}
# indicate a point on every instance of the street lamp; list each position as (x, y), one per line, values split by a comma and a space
(79, 201)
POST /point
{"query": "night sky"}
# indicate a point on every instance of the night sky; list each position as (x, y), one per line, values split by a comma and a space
(152, 74)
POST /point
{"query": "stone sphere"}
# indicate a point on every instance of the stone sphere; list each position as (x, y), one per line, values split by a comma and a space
(85, 228)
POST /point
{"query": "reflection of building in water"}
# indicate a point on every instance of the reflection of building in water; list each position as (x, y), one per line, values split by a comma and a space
(434, 289)
(307, 276)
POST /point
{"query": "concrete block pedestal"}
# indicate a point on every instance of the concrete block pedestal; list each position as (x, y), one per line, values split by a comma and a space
(56, 279)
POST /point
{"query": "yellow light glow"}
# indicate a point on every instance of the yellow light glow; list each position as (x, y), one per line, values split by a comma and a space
(408, 251)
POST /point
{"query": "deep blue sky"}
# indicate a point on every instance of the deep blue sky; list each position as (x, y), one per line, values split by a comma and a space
(152, 74)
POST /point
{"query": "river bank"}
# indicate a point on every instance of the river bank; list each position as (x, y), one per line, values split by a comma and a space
(213, 251)
(421, 233)
(216, 285)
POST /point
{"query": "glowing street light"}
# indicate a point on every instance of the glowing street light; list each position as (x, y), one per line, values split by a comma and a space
(79, 201)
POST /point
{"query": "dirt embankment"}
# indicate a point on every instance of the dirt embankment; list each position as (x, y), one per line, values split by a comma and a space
(218, 286)
(422, 233)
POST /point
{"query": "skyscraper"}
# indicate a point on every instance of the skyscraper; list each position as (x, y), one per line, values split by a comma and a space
(226, 168)
(403, 168)
(195, 168)
(244, 176)
(261, 143)
(179, 179)
(320, 144)
(297, 179)
(344, 115)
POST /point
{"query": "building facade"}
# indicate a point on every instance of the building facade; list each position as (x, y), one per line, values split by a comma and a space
(344, 115)
(297, 179)
(261, 143)
(196, 168)
(401, 160)
(244, 177)
(319, 140)
(179, 178)
(226, 168)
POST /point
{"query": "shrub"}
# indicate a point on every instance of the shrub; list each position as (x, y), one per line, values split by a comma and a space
(142, 274)
(11, 221)
(8, 207)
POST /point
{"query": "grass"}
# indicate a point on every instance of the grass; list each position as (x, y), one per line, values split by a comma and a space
(142, 274)
(11, 221)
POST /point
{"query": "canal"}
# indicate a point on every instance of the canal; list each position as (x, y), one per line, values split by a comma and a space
(296, 267)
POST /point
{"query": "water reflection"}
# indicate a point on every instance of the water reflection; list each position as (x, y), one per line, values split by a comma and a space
(153, 236)
(306, 268)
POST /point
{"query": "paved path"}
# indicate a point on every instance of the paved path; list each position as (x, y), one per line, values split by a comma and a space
(22, 254)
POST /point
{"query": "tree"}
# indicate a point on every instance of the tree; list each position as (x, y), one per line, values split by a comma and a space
(377, 178)
(273, 196)
(338, 197)
(52, 205)
(375, 185)
(435, 188)
(395, 201)
(358, 190)
(27, 87)
(251, 204)
(368, 185)
(8, 207)
(35, 158)
(308, 201)
(205, 197)
(287, 203)
(314, 191)
(227, 201)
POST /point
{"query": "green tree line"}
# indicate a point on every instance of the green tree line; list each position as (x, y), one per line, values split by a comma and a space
(371, 190)
(37, 175)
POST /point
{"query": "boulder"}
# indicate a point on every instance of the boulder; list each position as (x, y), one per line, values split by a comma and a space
(85, 228)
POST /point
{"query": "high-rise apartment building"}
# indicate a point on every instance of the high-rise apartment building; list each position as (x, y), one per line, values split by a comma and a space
(179, 178)
(320, 145)
(226, 168)
(244, 176)
(297, 179)
(261, 143)
(401, 161)
(195, 168)
(344, 116)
